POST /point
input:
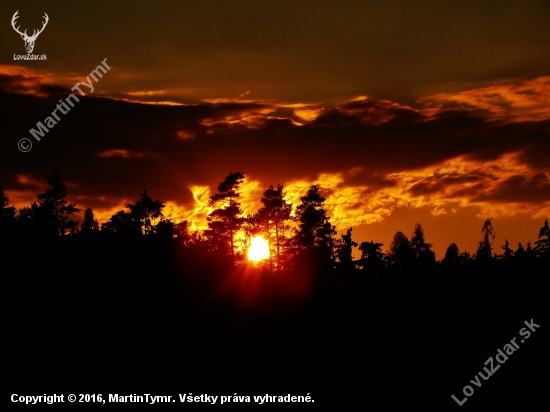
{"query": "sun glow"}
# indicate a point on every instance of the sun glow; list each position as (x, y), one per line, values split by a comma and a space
(258, 250)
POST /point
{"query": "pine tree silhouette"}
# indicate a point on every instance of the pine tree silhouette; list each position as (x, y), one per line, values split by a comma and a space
(226, 220)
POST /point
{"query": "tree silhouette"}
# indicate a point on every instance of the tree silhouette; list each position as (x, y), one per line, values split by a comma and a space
(313, 243)
(344, 249)
(145, 210)
(89, 224)
(122, 223)
(372, 257)
(424, 256)
(167, 230)
(520, 253)
(530, 252)
(485, 249)
(508, 253)
(272, 218)
(542, 245)
(225, 221)
(314, 236)
(7, 213)
(466, 259)
(50, 215)
(452, 257)
(181, 232)
(138, 221)
(401, 254)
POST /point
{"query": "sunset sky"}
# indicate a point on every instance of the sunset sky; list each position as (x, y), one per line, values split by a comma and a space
(403, 112)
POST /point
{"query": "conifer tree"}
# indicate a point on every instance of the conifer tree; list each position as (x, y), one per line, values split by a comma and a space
(271, 219)
(485, 249)
(145, 211)
(401, 254)
(225, 221)
(89, 224)
(542, 245)
(452, 256)
(51, 213)
(344, 250)
(372, 257)
(314, 236)
(508, 253)
(7, 215)
(424, 256)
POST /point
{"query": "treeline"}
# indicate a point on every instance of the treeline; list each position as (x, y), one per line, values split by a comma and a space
(305, 238)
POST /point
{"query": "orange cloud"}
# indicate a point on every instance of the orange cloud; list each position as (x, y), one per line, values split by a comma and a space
(526, 101)
(185, 134)
(21, 80)
(502, 187)
(375, 112)
(147, 93)
(308, 114)
(119, 153)
(160, 103)
(26, 179)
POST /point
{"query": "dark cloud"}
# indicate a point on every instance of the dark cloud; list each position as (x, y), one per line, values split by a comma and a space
(518, 189)
(113, 149)
(323, 50)
(436, 184)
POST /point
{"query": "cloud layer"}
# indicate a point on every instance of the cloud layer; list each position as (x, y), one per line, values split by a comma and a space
(486, 148)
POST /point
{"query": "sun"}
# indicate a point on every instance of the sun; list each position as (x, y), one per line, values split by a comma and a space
(258, 250)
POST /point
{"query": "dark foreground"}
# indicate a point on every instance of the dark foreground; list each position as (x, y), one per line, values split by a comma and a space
(147, 318)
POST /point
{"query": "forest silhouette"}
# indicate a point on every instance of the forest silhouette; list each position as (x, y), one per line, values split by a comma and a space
(307, 238)
(141, 296)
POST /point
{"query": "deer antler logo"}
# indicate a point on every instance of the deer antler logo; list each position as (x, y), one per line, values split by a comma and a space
(29, 40)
